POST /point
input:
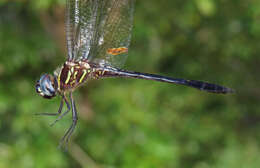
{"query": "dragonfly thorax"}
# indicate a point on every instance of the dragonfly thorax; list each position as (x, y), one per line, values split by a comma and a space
(72, 74)
(47, 86)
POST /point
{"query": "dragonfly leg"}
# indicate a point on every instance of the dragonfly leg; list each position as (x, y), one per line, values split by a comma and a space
(53, 114)
(61, 106)
(69, 132)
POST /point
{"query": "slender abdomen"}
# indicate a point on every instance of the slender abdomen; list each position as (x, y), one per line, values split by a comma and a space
(204, 86)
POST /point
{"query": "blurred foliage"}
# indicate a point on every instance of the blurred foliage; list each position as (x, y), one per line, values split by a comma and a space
(134, 123)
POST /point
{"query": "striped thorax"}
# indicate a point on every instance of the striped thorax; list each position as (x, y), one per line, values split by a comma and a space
(73, 74)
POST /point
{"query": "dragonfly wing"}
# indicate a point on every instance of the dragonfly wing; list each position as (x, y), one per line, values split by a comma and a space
(112, 32)
(80, 26)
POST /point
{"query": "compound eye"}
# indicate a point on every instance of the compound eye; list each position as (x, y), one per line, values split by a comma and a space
(38, 88)
(46, 87)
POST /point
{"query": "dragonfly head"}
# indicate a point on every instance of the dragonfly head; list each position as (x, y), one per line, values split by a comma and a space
(47, 86)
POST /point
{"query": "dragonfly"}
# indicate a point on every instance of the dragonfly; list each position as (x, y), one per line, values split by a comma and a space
(98, 34)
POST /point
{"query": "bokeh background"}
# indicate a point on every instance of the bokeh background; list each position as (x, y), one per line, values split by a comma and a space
(135, 123)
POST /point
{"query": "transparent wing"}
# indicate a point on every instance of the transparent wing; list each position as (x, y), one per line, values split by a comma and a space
(99, 30)
(113, 29)
(81, 18)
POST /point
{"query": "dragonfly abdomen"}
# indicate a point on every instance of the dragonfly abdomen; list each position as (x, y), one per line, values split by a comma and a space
(204, 86)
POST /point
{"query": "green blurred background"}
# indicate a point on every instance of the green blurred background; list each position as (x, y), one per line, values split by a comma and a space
(135, 123)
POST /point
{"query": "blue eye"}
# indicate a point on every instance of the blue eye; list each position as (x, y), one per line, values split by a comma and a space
(46, 86)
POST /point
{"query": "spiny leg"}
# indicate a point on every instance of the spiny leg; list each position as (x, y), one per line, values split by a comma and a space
(53, 114)
(74, 119)
(61, 106)
(69, 132)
